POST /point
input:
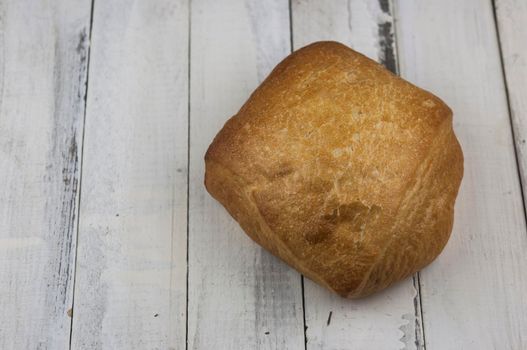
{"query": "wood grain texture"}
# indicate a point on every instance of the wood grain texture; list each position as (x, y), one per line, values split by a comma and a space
(240, 297)
(511, 18)
(43, 59)
(474, 296)
(366, 26)
(131, 273)
(130, 288)
(390, 319)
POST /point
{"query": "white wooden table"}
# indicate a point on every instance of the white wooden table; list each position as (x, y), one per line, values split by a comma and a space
(108, 239)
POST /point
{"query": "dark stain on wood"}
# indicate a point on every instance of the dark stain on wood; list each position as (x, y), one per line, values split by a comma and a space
(82, 50)
(329, 318)
(387, 54)
(386, 39)
(81, 46)
(418, 314)
(62, 171)
(385, 5)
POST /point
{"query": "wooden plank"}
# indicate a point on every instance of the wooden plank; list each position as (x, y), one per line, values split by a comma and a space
(240, 296)
(511, 18)
(392, 318)
(474, 296)
(366, 26)
(130, 290)
(43, 56)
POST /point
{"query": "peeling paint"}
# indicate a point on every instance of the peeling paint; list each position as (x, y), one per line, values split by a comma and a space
(408, 330)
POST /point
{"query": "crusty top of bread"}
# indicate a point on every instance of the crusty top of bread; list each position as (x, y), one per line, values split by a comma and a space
(344, 170)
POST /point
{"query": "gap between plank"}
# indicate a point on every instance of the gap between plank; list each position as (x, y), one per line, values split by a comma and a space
(418, 308)
(189, 47)
(419, 313)
(301, 276)
(81, 167)
(291, 25)
(187, 205)
(304, 311)
(509, 108)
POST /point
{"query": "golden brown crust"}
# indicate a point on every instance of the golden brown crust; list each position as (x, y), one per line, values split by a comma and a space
(342, 169)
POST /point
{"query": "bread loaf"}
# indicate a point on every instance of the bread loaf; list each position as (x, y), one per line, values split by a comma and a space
(342, 169)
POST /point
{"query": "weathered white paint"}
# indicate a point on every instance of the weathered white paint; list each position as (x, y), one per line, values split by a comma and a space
(130, 290)
(474, 296)
(356, 23)
(512, 25)
(43, 51)
(391, 319)
(240, 297)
